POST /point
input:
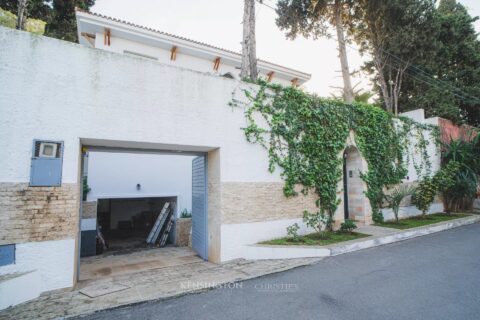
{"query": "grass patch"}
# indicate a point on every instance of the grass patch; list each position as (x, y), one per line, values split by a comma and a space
(419, 221)
(314, 239)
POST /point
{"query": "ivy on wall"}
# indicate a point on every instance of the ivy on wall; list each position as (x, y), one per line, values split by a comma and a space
(305, 136)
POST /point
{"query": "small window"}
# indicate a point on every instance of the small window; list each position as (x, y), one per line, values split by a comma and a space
(139, 55)
(7, 254)
(46, 166)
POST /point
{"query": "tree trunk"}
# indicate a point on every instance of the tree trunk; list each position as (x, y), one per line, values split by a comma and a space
(21, 14)
(253, 46)
(244, 73)
(384, 86)
(342, 51)
(249, 57)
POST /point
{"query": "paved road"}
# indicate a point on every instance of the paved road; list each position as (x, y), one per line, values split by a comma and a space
(432, 277)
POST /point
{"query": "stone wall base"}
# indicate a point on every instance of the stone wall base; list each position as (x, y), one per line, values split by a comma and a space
(30, 214)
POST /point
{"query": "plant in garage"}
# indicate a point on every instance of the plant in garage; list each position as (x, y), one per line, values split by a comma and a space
(185, 214)
(86, 188)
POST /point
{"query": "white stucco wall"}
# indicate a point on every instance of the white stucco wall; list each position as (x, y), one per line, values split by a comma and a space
(53, 260)
(416, 157)
(115, 175)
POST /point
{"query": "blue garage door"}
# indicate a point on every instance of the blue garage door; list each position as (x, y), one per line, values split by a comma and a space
(199, 207)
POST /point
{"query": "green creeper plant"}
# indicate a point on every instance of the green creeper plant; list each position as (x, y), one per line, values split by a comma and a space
(305, 136)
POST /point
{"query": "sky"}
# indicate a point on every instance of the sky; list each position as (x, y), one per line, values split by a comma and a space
(218, 22)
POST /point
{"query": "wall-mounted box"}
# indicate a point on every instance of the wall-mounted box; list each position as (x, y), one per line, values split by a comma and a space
(46, 165)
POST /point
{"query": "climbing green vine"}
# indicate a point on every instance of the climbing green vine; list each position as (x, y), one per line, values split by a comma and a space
(306, 135)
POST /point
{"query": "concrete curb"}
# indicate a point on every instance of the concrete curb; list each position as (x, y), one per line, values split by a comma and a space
(259, 252)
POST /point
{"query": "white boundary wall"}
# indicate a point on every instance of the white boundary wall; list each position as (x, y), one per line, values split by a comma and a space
(51, 89)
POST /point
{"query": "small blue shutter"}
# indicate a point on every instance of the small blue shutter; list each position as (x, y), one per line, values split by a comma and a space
(7, 254)
(46, 171)
(199, 207)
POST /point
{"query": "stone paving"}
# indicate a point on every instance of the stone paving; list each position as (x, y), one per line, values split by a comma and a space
(148, 285)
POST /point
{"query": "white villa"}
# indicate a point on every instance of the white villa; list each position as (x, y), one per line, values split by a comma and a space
(106, 33)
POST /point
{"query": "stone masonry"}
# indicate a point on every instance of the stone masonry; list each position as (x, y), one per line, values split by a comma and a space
(89, 210)
(37, 213)
(262, 201)
(183, 230)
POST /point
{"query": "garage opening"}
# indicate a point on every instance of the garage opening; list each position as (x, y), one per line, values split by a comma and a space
(141, 210)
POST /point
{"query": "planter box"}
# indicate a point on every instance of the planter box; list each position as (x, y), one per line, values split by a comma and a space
(183, 231)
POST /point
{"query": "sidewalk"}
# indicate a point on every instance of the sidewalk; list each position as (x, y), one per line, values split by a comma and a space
(172, 281)
(144, 286)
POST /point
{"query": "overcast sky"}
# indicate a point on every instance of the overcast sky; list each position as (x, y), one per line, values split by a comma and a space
(218, 22)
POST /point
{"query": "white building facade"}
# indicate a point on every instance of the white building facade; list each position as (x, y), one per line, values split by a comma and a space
(110, 34)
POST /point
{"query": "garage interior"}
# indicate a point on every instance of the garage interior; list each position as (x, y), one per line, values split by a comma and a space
(126, 223)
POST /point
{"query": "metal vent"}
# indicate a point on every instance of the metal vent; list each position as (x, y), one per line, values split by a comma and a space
(39, 143)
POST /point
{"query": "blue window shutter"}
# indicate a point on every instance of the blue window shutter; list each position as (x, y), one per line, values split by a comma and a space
(46, 171)
(7, 254)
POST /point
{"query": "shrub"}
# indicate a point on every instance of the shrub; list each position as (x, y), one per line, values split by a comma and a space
(377, 216)
(458, 178)
(425, 194)
(292, 232)
(348, 226)
(9, 19)
(319, 221)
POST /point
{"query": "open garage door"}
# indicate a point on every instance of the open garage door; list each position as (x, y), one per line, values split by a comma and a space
(199, 207)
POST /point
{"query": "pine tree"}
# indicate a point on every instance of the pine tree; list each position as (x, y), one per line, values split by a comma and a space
(249, 55)
(396, 34)
(63, 24)
(311, 18)
(452, 90)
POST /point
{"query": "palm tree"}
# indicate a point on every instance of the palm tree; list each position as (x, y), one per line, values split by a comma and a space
(396, 196)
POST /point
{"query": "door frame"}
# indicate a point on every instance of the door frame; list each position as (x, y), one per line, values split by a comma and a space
(345, 187)
(83, 162)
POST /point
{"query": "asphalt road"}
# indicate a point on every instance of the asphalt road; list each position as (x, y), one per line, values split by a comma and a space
(432, 277)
